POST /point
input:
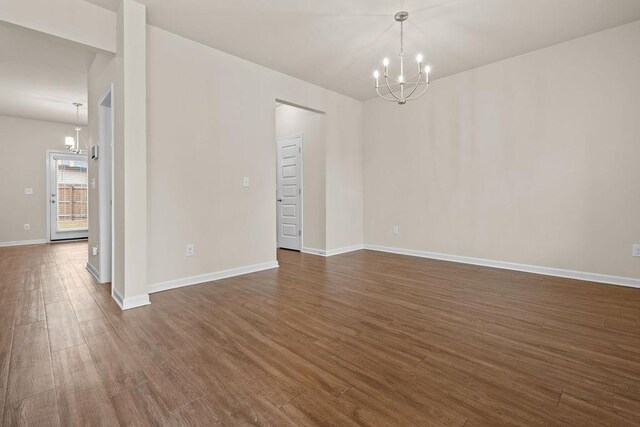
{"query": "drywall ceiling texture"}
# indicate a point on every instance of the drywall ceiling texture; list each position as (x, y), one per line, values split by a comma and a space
(23, 147)
(72, 20)
(531, 160)
(209, 125)
(41, 76)
(294, 121)
(337, 43)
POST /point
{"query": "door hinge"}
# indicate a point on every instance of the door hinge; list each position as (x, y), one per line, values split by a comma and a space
(299, 149)
(299, 232)
(299, 190)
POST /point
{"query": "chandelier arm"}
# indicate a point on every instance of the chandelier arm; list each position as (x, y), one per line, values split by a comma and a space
(386, 80)
(420, 94)
(84, 141)
(385, 98)
(414, 89)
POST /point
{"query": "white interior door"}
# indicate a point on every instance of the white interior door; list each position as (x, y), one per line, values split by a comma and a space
(289, 193)
(68, 202)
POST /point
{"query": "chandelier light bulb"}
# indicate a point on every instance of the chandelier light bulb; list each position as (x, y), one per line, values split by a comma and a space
(385, 62)
(376, 74)
(419, 57)
(401, 78)
(427, 69)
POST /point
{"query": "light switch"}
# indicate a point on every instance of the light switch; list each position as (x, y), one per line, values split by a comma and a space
(28, 190)
(93, 183)
(245, 181)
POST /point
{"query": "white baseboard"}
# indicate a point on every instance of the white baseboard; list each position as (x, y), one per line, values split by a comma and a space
(547, 271)
(94, 272)
(23, 242)
(345, 249)
(131, 302)
(332, 252)
(210, 277)
(314, 251)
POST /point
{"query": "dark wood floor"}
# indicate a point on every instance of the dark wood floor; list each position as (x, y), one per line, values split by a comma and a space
(362, 338)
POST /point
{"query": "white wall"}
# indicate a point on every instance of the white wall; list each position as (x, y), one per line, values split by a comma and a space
(23, 147)
(211, 121)
(531, 160)
(101, 75)
(130, 157)
(292, 121)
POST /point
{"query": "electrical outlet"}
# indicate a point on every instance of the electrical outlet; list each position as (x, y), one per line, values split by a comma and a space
(94, 250)
(28, 190)
(27, 227)
(396, 230)
(636, 250)
(191, 249)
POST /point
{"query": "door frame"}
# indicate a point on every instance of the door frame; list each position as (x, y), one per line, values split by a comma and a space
(47, 194)
(301, 194)
(106, 247)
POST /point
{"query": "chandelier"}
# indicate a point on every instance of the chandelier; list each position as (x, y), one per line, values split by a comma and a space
(403, 88)
(73, 144)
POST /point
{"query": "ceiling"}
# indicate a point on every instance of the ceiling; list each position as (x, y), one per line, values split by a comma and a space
(41, 76)
(337, 44)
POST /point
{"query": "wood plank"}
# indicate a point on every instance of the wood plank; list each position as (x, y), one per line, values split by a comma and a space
(141, 406)
(55, 294)
(30, 371)
(197, 413)
(7, 314)
(82, 399)
(63, 327)
(84, 305)
(30, 307)
(38, 410)
(115, 363)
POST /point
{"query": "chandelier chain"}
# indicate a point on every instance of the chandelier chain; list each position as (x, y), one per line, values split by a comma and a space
(401, 38)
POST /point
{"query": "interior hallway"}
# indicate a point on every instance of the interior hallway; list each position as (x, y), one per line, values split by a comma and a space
(361, 338)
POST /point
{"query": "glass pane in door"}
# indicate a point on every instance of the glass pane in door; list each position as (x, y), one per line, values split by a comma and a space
(71, 182)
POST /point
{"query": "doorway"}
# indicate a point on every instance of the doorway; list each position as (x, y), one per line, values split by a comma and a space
(300, 178)
(105, 184)
(289, 192)
(67, 196)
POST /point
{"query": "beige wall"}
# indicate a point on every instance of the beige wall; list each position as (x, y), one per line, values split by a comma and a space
(23, 147)
(292, 121)
(211, 121)
(130, 155)
(101, 75)
(344, 177)
(531, 160)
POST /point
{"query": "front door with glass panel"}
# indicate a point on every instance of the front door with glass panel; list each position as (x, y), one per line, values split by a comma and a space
(68, 196)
